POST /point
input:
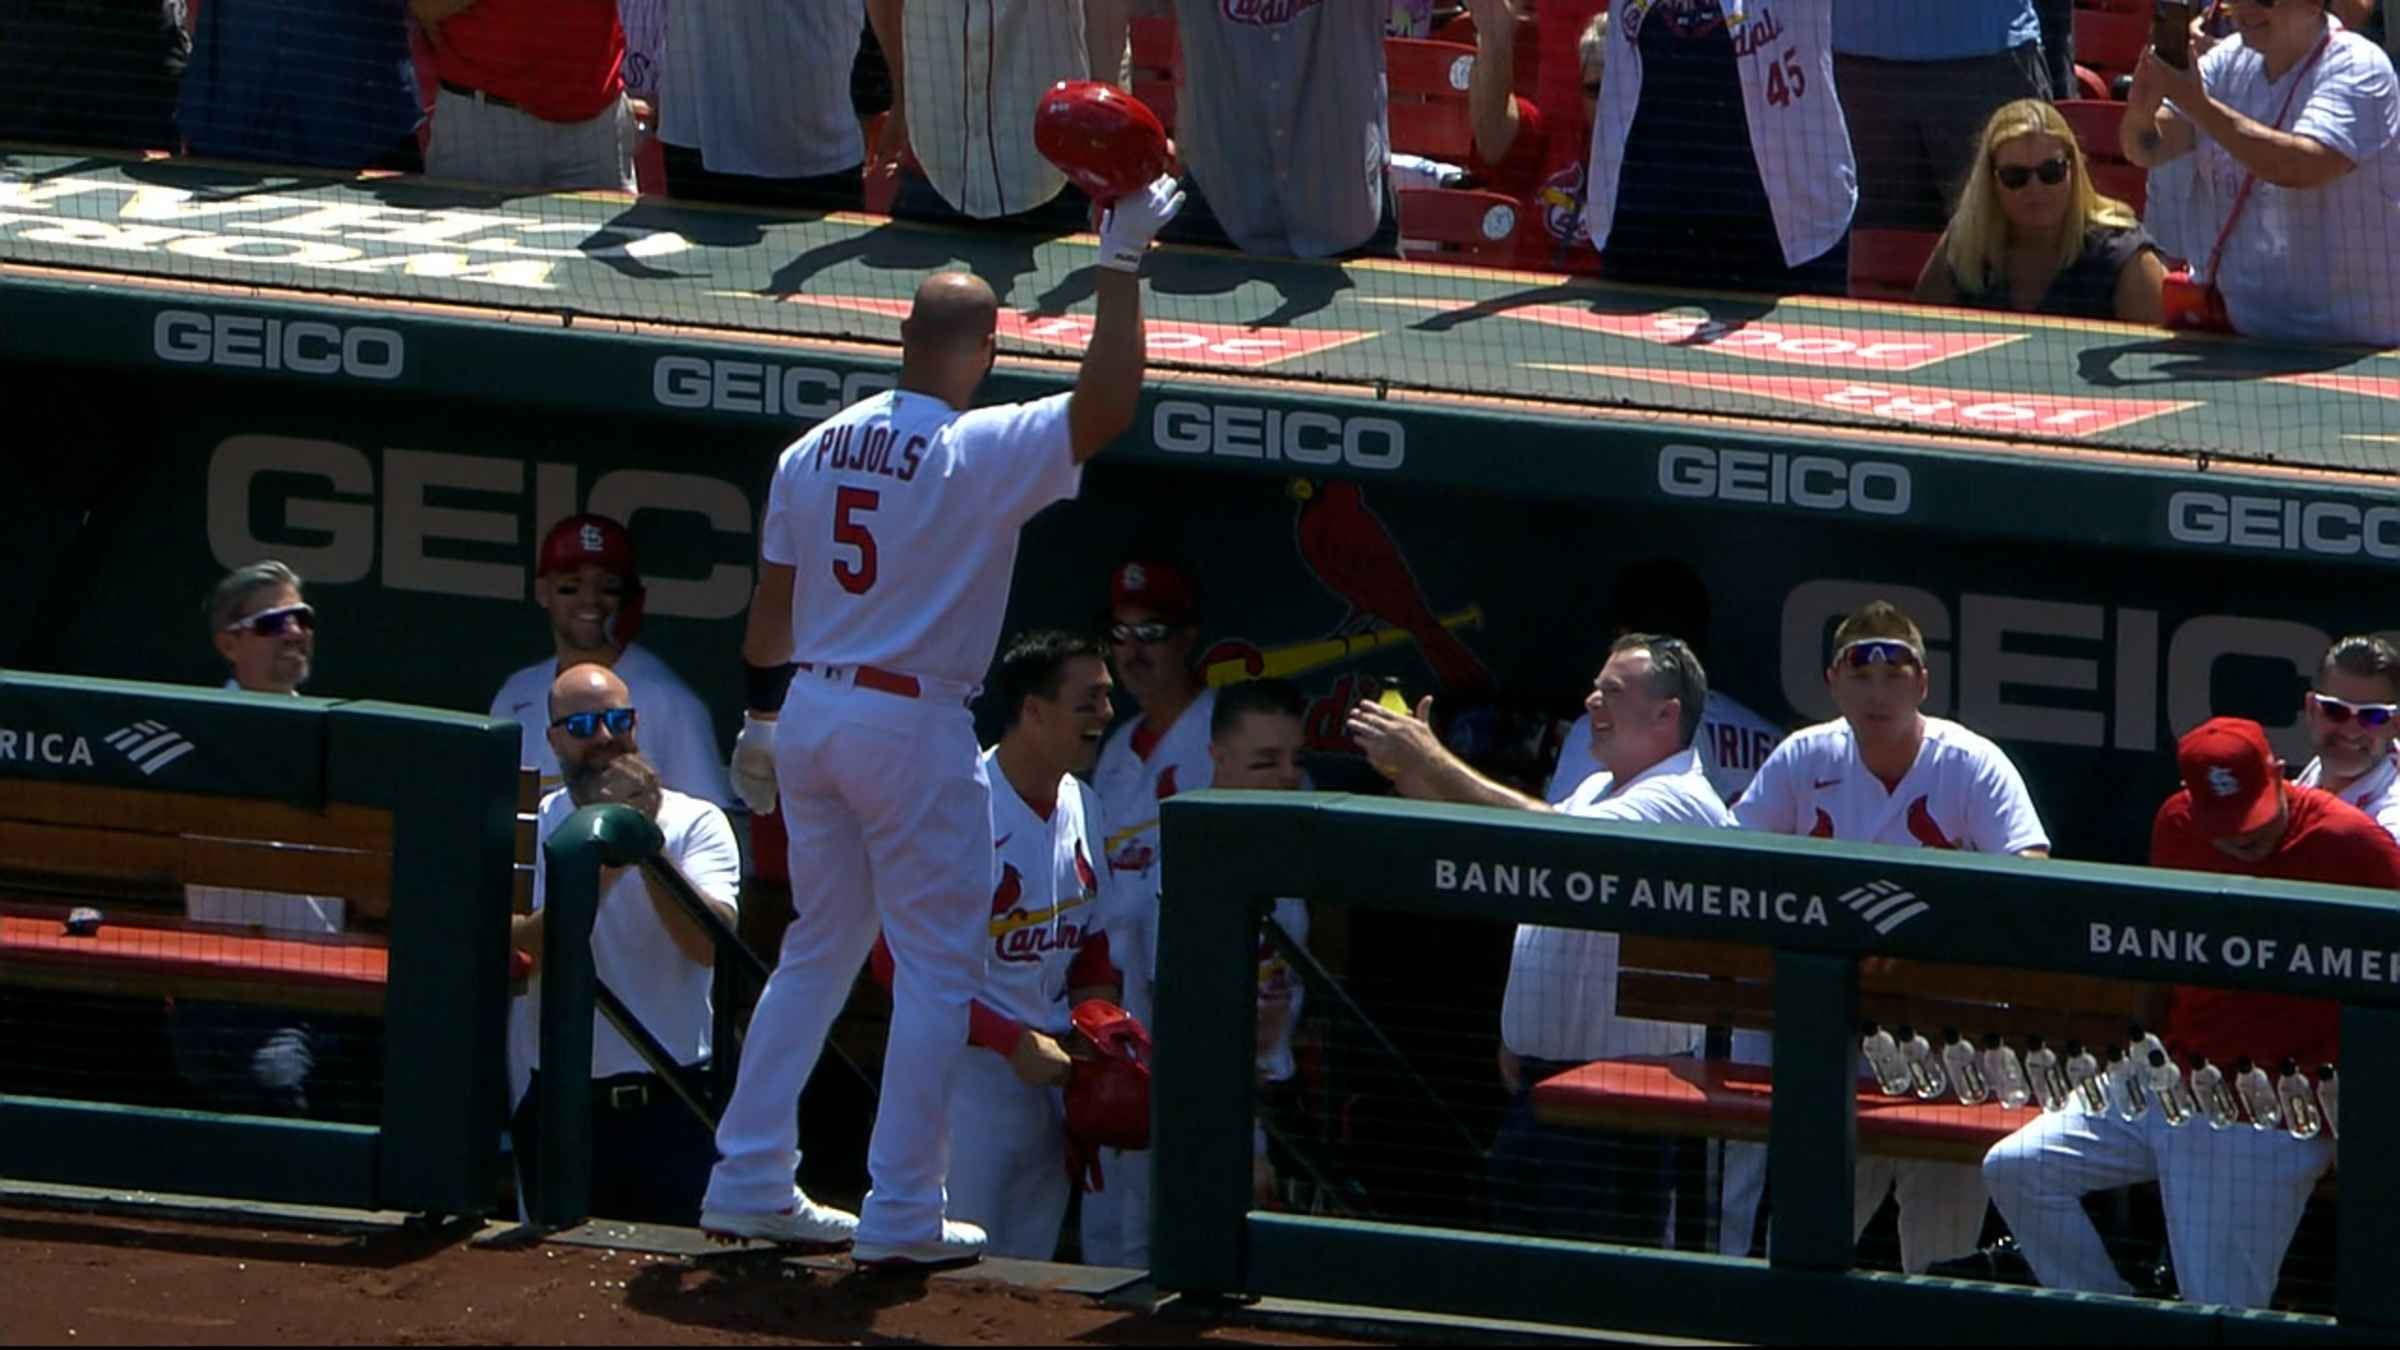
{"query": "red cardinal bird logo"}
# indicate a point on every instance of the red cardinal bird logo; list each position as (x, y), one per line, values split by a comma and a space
(1349, 548)
(1923, 829)
(1166, 784)
(1083, 870)
(1823, 829)
(1010, 890)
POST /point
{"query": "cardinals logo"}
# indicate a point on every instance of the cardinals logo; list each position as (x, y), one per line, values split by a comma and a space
(1561, 198)
(1353, 553)
(1823, 829)
(2222, 782)
(1009, 893)
(1266, 13)
(590, 539)
(1083, 870)
(1166, 783)
(1923, 829)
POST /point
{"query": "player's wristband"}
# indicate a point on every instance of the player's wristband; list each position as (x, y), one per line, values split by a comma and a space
(764, 686)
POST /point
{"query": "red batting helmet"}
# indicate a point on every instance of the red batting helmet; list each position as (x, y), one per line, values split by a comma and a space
(1108, 1096)
(1104, 140)
(601, 542)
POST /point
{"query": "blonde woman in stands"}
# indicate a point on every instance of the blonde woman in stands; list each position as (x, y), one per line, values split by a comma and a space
(2032, 234)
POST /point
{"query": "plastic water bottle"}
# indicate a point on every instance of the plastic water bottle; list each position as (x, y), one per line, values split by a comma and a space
(2125, 1091)
(2298, 1096)
(1966, 1079)
(1924, 1067)
(2328, 1096)
(2083, 1075)
(2049, 1084)
(1883, 1056)
(2214, 1094)
(2257, 1094)
(2167, 1089)
(2003, 1072)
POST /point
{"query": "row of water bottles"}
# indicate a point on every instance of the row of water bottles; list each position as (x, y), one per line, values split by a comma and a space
(2128, 1083)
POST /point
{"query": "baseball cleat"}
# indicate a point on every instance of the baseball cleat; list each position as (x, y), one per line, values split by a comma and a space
(960, 1244)
(806, 1224)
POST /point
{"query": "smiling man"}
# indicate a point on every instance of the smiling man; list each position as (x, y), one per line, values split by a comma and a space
(259, 624)
(2353, 715)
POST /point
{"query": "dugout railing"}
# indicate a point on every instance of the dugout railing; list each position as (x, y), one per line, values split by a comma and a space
(1240, 852)
(445, 785)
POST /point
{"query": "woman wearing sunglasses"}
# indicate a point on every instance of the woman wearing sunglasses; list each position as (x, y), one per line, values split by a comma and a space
(2032, 234)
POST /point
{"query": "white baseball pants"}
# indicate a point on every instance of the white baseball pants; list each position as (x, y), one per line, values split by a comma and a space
(1116, 1220)
(1008, 1158)
(2233, 1198)
(890, 820)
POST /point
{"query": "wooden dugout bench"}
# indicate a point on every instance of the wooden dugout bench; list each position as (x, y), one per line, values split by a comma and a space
(131, 853)
(1728, 985)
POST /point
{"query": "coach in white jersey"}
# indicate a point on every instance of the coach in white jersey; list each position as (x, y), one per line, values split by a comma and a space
(1049, 947)
(587, 580)
(1559, 1009)
(889, 541)
(1163, 749)
(1887, 774)
(2353, 714)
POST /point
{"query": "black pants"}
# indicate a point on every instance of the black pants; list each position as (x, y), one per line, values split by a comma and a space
(650, 1155)
(1915, 125)
(1597, 1185)
(690, 180)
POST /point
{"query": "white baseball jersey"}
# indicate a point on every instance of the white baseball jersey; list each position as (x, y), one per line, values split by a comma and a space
(1562, 982)
(675, 733)
(762, 87)
(631, 950)
(1961, 793)
(1797, 133)
(1732, 742)
(1131, 784)
(1046, 905)
(900, 515)
(2376, 792)
(975, 71)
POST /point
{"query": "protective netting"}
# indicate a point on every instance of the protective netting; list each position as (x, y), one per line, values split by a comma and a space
(1770, 181)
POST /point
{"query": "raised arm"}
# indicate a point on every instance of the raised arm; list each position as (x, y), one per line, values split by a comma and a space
(1403, 749)
(1108, 389)
(1491, 90)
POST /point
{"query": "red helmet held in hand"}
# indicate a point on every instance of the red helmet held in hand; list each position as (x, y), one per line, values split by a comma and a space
(1106, 141)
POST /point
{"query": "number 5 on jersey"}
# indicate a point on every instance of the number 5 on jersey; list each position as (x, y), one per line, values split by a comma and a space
(848, 505)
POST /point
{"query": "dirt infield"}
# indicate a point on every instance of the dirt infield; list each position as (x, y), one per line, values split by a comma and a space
(89, 1279)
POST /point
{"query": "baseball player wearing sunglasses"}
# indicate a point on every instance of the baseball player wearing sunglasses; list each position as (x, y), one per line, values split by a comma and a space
(2350, 715)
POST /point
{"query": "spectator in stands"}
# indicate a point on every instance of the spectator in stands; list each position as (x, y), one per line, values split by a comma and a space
(2233, 1197)
(1536, 151)
(959, 137)
(2353, 716)
(2275, 167)
(532, 93)
(1885, 773)
(1916, 82)
(587, 581)
(650, 1153)
(1559, 1009)
(755, 106)
(645, 25)
(264, 630)
(2032, 233)
(96, 73)
(1721, 157)
(1282, 126)
(327, 83)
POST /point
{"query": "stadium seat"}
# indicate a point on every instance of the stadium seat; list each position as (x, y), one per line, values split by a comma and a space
(2111, 41)
(1884, 264)
(1458, 226)
(1157, 66)
(1428, 82)
(2095, 122)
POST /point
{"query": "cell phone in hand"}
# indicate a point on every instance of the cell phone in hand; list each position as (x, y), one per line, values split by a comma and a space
(2171, 33)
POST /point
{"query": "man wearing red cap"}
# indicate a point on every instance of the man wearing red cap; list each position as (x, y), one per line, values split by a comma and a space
(2233, 1197)
(1163, 749)
(587, 581)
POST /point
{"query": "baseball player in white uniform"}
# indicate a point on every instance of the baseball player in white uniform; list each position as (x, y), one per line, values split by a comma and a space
(2353, 715)
(1887, 774)
(1559, 1009)
(1163, 749)
(587, 580)
(1049, 947)
(890, 537)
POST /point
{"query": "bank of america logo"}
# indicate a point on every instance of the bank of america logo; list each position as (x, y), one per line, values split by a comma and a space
(150, 745)
(1885, 905)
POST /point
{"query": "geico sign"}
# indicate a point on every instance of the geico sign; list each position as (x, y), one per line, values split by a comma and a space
(760, 387)
(1314, 438)
(188, 337)
(1810, 482)
(2284, 524)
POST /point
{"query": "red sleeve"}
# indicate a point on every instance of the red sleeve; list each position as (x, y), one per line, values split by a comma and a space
(988, 1027)
(879, 963)
(1519, 172)
(2173, 841)
(1092, 965)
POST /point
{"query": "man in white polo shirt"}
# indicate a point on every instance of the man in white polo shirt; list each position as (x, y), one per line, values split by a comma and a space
(2353, 714)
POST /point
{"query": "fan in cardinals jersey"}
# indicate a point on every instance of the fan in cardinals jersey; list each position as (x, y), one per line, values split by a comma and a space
(1049, 948)
(1885, 773)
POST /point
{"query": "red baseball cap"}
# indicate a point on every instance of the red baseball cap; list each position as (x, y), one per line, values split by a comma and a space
(578, 540)
(1157, 586)
(2231, 774)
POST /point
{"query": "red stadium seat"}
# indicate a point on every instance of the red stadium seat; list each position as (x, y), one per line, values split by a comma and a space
(2110, 41)
(2095, 122)
(2128, 183)
(1884, 264)
(1428, 82)
(1452, 225)
(1157, 66)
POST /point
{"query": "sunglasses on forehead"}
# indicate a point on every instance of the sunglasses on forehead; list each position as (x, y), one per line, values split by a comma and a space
(1152, 631)
(2052, 172)
(2338, 710)
(585, 725)
(1875, 652)
(274, 622)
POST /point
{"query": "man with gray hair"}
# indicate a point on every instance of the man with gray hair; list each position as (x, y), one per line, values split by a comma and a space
(259, 624)
(1559, 1011)
(2352, 712)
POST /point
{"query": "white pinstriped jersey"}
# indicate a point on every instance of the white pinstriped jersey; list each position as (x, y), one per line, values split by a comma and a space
(1962, 792)
(762, 87)
(1047, 904)
(975, 69)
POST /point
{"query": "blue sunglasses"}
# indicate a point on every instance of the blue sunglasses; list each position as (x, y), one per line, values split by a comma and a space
(585, 725)
(1876, 652)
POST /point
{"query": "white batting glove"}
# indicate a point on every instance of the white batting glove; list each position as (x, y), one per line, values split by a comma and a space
(753, 767)
(1132, 221)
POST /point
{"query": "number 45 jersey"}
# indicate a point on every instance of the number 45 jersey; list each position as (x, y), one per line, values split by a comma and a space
(899, 516)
